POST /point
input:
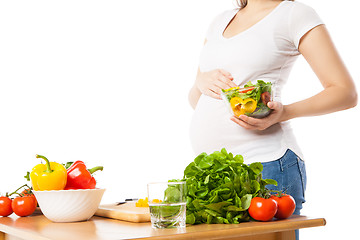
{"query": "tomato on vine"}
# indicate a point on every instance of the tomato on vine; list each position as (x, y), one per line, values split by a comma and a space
(262, 209)
(5, 206)
(286, 205)
(28, 192)
(24, 205)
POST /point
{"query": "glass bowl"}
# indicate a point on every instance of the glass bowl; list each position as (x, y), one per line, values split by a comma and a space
(250, 100)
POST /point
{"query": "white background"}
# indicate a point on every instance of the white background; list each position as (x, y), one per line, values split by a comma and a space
(106, 82)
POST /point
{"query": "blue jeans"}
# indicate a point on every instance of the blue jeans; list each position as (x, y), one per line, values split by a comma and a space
(290, 174)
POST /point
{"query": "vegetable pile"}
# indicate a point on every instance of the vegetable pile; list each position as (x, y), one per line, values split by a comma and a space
(56, 176)
(250, 100)
(220, 188)
(48, 176)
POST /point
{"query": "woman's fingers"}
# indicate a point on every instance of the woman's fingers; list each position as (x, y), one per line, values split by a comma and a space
(227, 79)
(220, 85)
(212, 93)
(215, 89)
(242, 123)
(226, 73)
(224, 82)
(251, 121)
(211, 83)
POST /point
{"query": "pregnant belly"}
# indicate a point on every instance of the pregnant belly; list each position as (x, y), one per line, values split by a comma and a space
(211, 129)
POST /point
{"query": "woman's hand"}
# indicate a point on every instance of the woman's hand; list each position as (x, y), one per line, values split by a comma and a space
(277, 115)
(211, 83)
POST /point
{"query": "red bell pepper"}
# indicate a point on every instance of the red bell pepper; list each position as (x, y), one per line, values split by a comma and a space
(245, 90)
(79, 177)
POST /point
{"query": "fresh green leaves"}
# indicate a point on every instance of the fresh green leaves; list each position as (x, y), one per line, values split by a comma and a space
(67, 165)
(258, 88)
(27, 176)
(220, 188)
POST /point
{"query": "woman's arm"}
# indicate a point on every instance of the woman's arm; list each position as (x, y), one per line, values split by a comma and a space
(339, 89)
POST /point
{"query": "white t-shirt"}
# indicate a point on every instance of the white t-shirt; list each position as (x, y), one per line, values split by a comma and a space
(266, 51)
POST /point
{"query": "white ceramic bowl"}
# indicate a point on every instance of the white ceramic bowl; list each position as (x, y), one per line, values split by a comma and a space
(69, 205)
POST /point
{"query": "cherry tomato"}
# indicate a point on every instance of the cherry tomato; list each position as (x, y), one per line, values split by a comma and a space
(27, 192)
(286, 206)
(265, 97)
(262, 209)
(24, 206)
(5, 206)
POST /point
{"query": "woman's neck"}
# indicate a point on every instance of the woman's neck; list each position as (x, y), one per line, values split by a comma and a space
(259, 4)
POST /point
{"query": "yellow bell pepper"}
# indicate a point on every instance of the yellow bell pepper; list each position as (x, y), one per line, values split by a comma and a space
(48, 176)
(242, 106)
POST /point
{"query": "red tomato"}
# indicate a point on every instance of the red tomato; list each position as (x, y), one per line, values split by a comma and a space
(24, 206)
(27, 192)
(5, 206)
(286, 206)
(262, 209)
(265, 97)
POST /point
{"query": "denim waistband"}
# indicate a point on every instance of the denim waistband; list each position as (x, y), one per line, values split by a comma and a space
(287, 160)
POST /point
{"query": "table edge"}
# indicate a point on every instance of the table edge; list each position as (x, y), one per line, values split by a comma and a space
(242, 232)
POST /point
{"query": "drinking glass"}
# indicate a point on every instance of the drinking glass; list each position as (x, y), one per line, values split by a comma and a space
(167, 203)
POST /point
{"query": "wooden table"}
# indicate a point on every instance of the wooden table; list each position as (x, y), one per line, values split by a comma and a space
(40, 228)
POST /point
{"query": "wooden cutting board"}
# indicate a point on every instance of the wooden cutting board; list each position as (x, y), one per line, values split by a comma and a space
(126, 212)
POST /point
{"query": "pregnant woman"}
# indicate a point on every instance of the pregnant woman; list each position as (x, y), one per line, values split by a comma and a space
(261, 40)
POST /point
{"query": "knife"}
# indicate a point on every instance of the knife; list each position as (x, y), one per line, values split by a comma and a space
(127, 200)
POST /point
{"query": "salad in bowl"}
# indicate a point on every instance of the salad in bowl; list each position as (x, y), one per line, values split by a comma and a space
(250, 100)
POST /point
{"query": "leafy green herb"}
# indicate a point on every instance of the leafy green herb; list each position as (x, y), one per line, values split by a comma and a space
(255, 94)
(67, 165)
(220, 188)
(27, 176)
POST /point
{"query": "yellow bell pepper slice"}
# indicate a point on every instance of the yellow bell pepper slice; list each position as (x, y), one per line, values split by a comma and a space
(240, 106)
(145, 202)
(142, 202)
(156, 201)
(249, 105)
(235, 101)
(48, 176)
(230, 89)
